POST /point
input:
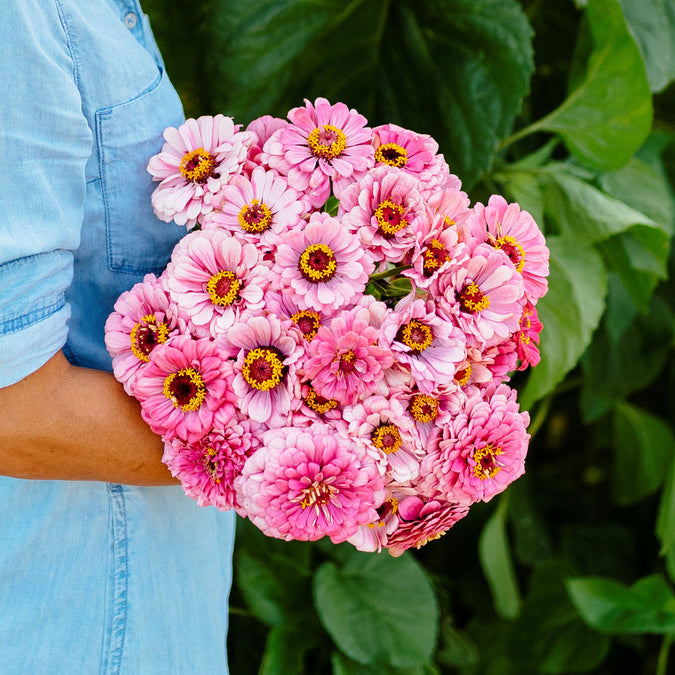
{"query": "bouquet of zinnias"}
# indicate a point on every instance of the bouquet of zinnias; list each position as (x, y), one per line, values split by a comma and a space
(328, 351)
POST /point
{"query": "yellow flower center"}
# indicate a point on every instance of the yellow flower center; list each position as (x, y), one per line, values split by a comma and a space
(386, 437)
(255, 217)
(211, 464)
(317, 263)
(472, 300)
(423, 408)
(146, 335)
(327, 141)
(486, 462)
(185, 389)
(308, 321)
(346, 363)
(433, 257)
(223, 288)
(197, 165)
(390, 218)
(263, 369)
(512, 248)
(319, 494)
(462, 376)
(319, 404)
(391, 154)
(415, 335)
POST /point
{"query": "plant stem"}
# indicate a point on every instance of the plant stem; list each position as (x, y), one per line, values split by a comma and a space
(388, 273)
(662, 665)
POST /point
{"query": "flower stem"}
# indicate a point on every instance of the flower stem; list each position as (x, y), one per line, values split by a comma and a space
(662, 664)
(389, 273)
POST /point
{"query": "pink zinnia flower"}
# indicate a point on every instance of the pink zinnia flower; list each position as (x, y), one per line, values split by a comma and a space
(309, 483)
(420, 522)
(416, 154)
(482, 451)
(430, 413)
(265, 379)
(144, 317)
(484, 296)
(262, 128)
(322, 264)
(183, 386)
(260, 209)
(527, 338)
(207, 468)
(386, 211)
(324, 145)
(374, 536)
(506, 227)
(429, 345)
(197, 159)
(388, 434)
(285, 306)
(344, 359)
(214, 276)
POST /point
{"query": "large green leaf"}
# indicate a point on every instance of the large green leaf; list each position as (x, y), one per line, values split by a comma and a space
(644, 449)
(378, 609)
(652, 23)
(495, 559)
(665, 522)
(570, 312)
(609, 606)
(607, 117)
(455, 69)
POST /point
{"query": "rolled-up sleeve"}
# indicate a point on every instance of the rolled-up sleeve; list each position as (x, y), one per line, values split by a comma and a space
(45, 143)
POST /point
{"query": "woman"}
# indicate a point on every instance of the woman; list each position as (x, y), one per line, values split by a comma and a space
(105, 565)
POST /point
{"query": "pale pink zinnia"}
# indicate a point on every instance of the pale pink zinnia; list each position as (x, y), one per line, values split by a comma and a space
(345, 360)
(429, 345)
(515, 232)
(388, 434)
(420, 522)
(325, 146)
(322, 264)
(414, 153)
(267, 352)
(262, 128)
(144, 317)
(386, 211)
(483, 296)
(196, 160)
(214, 276)
(482, 450)
(183, 386)
(261, 209)
(309, 483)
(207, 468)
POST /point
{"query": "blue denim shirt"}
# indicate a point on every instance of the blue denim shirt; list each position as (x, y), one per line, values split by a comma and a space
(94, 577)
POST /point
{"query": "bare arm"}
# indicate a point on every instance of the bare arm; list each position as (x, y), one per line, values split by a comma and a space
(69, 423)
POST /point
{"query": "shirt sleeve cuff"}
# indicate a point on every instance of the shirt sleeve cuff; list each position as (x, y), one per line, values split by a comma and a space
(22, 352)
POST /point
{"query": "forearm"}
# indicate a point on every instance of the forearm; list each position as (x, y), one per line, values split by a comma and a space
(68, 423)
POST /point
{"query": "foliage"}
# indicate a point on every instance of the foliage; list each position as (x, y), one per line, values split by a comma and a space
(566, 108)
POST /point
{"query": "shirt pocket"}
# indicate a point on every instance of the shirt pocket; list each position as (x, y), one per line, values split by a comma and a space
(128, 134)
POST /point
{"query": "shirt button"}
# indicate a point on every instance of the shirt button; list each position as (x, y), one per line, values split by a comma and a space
(130, 20)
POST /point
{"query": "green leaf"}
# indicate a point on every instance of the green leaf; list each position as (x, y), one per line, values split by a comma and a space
(644, 447)
(378, 609)
(457, 649)
(342, 665)
(472, 57)
(652, 23)
(609, 606)
(272, 574)
(570, 312)
(624, 359)
(609, 114)
(495, 559)
(665, 521)
(285, 649)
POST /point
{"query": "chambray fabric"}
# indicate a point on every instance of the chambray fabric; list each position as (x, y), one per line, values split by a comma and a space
(94, 577)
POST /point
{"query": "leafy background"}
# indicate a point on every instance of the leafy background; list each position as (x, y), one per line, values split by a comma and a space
(567, 108)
